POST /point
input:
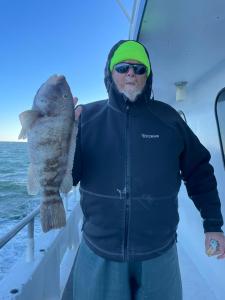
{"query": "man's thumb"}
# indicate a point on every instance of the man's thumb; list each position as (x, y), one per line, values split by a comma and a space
(75, 100)
(78, 111)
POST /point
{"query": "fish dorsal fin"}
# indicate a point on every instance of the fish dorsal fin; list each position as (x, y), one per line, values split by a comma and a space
(27, 118)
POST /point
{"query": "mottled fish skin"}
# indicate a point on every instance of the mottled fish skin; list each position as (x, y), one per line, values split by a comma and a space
(49, 140)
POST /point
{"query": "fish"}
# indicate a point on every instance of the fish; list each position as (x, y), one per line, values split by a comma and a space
(50, 128)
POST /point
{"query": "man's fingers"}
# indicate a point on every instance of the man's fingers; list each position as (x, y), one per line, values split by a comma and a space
(75, 100)
(221, 256)
(211, 253)
(78, 111)
(215, 244)
(222, 253)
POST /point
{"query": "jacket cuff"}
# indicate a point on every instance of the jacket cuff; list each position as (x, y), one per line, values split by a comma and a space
(212, 225)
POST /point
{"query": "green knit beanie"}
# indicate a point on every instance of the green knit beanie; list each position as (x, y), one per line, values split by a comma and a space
(130, 50)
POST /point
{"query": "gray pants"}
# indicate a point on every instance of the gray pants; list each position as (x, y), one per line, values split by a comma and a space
(96, 278)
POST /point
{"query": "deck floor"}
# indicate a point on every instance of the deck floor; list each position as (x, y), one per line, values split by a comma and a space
(194, 285)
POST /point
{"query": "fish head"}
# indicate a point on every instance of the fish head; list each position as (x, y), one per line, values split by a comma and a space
(54, 96)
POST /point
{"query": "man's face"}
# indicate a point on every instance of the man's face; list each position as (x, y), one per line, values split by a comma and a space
(129, 83)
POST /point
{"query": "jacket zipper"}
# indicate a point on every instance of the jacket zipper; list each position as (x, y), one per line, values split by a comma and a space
(127, 183)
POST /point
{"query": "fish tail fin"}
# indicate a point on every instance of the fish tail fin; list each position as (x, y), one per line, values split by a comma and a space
(53, 214)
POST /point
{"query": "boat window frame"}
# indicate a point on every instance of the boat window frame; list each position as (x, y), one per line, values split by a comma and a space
(218, 124)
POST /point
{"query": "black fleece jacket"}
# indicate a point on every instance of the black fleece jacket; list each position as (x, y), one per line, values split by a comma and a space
(130, 160)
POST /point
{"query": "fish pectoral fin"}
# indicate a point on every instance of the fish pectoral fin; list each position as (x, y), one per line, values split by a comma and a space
(27, 118)
(32, 182)
(66, 184)
(23, 134)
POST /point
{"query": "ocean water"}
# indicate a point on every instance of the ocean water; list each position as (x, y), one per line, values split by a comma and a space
(15, 203)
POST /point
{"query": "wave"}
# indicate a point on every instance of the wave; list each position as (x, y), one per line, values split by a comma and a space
(11, 187)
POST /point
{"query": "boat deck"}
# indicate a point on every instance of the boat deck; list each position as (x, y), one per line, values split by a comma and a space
(194, 285)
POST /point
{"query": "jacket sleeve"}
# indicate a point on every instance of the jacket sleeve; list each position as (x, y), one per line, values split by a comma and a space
(77, 163)
(198, 176)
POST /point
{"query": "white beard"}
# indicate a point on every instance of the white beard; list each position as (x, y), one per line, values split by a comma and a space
(131, 93)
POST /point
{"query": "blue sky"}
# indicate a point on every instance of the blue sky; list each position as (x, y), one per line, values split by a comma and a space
(44, 37)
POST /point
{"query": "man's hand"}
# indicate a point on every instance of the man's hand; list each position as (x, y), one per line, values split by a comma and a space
(220, 249)
(77, 109)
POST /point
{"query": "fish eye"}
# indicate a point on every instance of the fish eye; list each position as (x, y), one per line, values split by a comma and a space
(65, 96)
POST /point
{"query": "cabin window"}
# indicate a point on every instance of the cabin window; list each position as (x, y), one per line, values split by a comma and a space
(220, 120)
(182, 115)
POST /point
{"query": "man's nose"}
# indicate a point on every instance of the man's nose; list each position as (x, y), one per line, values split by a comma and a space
(130, 71)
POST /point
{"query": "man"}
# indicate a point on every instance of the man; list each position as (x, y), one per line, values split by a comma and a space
(131, 155)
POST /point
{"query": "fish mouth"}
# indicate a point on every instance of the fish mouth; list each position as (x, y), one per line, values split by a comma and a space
(55, 79)
(60, 78)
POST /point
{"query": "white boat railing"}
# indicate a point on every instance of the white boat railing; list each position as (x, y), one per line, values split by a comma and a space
(29, 222)
(44, 270)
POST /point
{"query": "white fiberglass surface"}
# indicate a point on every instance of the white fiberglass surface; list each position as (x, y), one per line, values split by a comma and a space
(194, 285)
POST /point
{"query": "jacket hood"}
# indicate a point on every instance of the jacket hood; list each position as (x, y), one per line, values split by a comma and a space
(109, 83)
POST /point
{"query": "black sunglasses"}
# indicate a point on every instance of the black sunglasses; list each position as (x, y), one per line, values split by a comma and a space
(139, 69)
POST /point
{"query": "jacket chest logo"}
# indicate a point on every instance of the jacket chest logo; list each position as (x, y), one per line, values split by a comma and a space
(149, 136)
